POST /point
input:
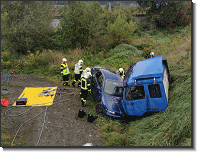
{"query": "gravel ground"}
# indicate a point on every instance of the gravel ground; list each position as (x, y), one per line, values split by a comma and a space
(62, 126)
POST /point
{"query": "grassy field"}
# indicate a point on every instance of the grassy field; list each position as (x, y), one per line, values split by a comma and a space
(169, 128)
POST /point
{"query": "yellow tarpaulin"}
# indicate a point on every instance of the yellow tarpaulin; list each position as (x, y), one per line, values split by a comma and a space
(33, 98)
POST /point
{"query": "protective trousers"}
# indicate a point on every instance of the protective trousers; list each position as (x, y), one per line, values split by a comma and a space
(83, 95)
(77, 78)
(65, 79)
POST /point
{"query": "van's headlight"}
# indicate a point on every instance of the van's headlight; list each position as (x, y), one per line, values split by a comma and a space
(110, 112)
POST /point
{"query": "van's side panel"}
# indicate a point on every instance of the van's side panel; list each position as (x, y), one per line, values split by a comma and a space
(166, 82)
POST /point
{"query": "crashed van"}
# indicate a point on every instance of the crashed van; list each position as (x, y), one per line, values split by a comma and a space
(145, 87)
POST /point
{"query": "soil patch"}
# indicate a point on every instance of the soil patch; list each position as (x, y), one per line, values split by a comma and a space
(62, 126)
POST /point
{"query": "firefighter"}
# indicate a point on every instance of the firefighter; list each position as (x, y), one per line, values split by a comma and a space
(83, 73)
(121, 72)
(65, 72)
(78, 71)
(152, 54)
(85, 87)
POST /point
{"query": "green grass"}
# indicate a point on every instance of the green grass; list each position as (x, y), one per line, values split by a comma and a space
(6, 139)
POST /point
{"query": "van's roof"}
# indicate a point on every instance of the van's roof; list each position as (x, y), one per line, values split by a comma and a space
(149, 68)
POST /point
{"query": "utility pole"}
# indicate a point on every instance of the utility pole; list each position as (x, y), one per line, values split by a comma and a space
(109, 5)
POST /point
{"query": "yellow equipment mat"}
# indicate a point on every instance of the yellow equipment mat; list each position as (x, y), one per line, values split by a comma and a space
(33, 98)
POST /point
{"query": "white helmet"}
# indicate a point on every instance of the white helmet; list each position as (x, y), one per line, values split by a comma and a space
(152, 53)
(80, 62)
(64, 60)
(87, 75)
(121, 70)
(88, 69)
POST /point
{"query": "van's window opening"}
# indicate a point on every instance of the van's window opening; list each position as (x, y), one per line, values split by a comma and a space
(113, 88)
(137, 92)
(154, 91)
(128, 94)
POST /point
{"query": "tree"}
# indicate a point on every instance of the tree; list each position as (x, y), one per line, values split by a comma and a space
(79, 22)
(27, 24)
(121, 31)
(164, 13)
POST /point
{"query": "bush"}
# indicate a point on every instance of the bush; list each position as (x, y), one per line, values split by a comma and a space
(54, 69)
(125, 49)
(121, 31)
(26, 24)
(80, 23)
(165, 14)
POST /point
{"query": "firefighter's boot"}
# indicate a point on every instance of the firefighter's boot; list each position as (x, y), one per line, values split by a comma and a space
(83, 103)
(73, 83)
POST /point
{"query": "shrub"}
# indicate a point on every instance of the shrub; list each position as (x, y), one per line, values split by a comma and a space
(121, 31)
(7, 64)
(5, 55)
(2, 63)
(54, 69)
(80, 23)
(165, 14)
(125, 49)
(25, 25)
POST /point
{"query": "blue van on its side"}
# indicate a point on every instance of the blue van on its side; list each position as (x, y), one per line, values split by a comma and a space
(146, 87)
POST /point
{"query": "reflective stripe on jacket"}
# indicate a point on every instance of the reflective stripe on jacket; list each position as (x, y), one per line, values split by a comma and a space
(122, 74)
(64, 69)
(85, 84)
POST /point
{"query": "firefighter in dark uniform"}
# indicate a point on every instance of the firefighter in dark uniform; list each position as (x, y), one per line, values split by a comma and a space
(78, 71)
(121, 73)
(85, 87)
(83, 73)
(65, 72)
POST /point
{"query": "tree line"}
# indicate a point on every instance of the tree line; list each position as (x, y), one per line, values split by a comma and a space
(25, 25)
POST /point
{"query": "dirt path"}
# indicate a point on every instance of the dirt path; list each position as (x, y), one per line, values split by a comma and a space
(62, 127)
